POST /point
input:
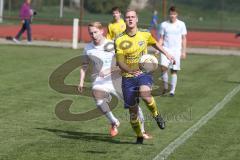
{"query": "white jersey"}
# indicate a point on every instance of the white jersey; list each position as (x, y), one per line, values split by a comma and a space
(173, 33)
(102, 56)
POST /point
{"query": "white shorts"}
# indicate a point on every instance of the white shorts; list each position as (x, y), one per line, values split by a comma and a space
(107, 85)
(167, 63)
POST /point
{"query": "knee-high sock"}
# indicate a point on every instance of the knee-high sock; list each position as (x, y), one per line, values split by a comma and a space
(104, 107)
(173, 83)
(165, 80)
(141, 118)
(136, 125)
(152, 106)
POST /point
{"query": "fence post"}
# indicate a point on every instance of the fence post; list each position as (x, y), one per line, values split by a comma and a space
(75, 33)
(61, 8)
(81, 19)
(1, 10)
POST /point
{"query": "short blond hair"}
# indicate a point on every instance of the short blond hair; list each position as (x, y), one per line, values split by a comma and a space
(95, 24)
(130, 10)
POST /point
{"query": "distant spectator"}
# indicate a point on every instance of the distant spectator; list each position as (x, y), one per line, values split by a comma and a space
(26, 14)
(154, 21)
(237, 35)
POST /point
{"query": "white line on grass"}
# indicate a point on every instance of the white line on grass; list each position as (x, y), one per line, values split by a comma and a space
(163, 155)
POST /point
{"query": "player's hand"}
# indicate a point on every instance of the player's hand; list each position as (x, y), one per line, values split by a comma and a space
(136, 73)
(171, 58)
(22, 21)
(80, 88)
(183, 55)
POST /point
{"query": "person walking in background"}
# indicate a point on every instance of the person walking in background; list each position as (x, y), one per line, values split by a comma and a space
(26, 14)
(154, 24)
(173, 38)
(154, 21)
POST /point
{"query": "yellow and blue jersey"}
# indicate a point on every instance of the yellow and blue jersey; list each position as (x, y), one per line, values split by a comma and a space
(129, 49)
(115, 28)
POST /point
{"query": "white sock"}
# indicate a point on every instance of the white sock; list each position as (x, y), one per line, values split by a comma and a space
(112, 119)
(104, 107)
(173, 83)
(165, 80)
(141, 118)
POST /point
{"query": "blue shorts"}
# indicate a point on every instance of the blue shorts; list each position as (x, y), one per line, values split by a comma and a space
(130, 88)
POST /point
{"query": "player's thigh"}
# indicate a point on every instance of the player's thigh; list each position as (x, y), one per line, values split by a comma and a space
(145, 85)
(130, 92)
(177, 57)
(98, 94)
(100, 89)
(145, 91)
(164, 62)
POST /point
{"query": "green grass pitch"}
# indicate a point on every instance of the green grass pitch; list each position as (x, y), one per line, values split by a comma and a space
(29, 128)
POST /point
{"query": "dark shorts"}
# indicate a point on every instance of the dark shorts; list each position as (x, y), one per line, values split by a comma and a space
(130, 88)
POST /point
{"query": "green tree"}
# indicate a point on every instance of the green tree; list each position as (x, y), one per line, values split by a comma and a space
(105, 6)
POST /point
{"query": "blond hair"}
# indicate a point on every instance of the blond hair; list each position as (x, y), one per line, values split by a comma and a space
(95, 24)
(131, 10)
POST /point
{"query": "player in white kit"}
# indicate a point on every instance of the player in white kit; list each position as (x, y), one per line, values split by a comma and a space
(173, 38)
(101, 52)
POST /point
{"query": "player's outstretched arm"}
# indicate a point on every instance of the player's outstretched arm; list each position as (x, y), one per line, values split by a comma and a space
(184, 46)
(83, 70)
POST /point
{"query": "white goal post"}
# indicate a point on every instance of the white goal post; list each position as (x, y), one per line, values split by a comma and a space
(61, 8)
(75, 33)
(1, 10)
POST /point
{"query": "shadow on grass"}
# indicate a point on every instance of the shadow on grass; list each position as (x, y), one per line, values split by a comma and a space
(86, 136)
(233, 82)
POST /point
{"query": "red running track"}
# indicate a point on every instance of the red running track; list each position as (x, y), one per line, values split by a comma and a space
(64, 33)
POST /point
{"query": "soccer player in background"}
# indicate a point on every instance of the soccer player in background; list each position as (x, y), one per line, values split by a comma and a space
(130, 45)
(117, 26)
(104, 62)
(173, 38)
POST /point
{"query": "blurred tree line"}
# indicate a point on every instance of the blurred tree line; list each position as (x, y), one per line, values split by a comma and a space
(226, 5)
(104, 6)
(95, 6)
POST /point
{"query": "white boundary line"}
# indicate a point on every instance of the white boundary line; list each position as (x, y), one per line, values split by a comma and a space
(163, 155)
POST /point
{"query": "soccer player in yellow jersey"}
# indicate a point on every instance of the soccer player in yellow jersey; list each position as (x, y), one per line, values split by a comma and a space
(117, 26)
(129, 46)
